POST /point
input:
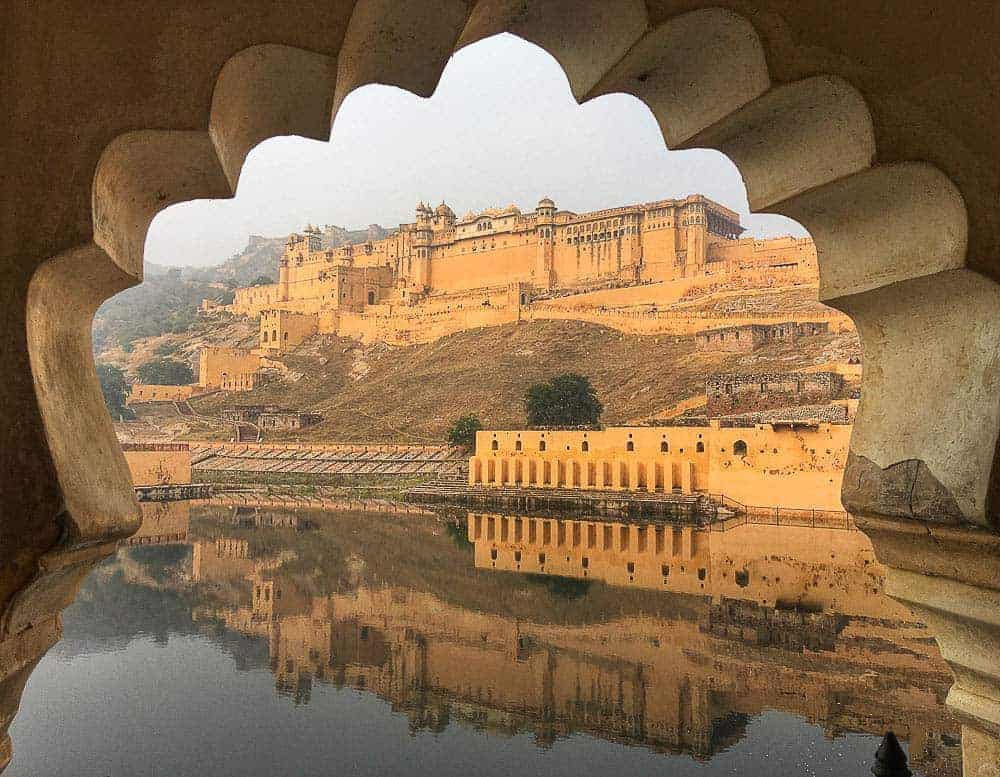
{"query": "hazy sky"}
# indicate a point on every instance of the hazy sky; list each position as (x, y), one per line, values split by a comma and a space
(502, 127)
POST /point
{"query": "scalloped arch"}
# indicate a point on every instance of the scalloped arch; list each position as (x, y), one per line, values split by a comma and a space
(805, 149)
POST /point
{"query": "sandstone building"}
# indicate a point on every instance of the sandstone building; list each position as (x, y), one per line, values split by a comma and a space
(795, 465)
(750, 337)
(548, 248)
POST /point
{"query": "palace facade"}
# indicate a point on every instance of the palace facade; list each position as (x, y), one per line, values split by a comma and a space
(544, 249)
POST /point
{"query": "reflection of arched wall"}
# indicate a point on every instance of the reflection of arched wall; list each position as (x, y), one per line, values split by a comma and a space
(887, 159)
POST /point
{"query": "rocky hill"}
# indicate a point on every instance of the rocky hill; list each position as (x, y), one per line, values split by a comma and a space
(412, 394)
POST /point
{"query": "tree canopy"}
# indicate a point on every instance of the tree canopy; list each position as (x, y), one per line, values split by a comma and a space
(565, 400)
(463, 432)
(165, 372)
(114, 389)
(262, 280)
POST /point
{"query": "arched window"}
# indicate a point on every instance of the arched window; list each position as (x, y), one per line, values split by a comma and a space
(700, 447)
(739, 448)
(630, 446)
(585, 446)
(286, 335)
(371, 297)
(274, 335)
(517, 445)
(264, 338)
(664, 447)
(541, 445)
(495, 445)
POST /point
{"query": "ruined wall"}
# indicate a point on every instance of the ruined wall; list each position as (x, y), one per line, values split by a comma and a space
(744, 339)
(731, 393)
(155, 392)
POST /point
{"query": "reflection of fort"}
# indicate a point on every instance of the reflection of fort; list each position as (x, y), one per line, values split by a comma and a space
(847, 659)
(808, 568)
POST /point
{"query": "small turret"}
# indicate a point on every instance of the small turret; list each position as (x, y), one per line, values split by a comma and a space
(546, 210)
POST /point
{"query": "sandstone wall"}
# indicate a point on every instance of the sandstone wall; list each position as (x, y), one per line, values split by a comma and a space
(280, 329)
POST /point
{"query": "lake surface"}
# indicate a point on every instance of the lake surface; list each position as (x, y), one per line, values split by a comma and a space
(274, 639)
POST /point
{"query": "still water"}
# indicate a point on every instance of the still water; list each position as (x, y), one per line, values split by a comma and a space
(275, 640)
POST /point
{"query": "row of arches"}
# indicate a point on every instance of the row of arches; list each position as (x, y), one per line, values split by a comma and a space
(609, 474)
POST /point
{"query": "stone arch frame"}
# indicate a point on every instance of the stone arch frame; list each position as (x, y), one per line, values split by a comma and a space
(805, 149)
(804, 143)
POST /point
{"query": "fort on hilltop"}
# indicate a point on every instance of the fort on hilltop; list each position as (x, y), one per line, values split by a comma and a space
(442, 274)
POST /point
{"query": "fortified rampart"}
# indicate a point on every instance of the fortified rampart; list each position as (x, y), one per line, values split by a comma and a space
(795, 464)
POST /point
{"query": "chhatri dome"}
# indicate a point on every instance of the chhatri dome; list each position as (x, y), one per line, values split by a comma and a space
(444, 210)
(546, 202)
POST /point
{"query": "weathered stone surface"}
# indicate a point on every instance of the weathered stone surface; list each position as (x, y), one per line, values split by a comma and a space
(907, 489)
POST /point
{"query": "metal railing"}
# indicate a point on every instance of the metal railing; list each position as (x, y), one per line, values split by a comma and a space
(778, 516)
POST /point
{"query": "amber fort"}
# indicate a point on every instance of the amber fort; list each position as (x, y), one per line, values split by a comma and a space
(622, 267)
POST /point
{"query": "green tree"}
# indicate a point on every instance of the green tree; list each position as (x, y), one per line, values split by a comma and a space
(463, 432)
(166, 372)
(565, 400)
(114, 389)
(262, 280)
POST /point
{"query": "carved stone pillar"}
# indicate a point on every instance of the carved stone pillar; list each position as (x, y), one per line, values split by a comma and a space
(949, 575)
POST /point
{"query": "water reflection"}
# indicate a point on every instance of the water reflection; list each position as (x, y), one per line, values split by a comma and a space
(681, 643)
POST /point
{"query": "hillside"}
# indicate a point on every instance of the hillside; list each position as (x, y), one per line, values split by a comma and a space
(380, 393)
(167, 300)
